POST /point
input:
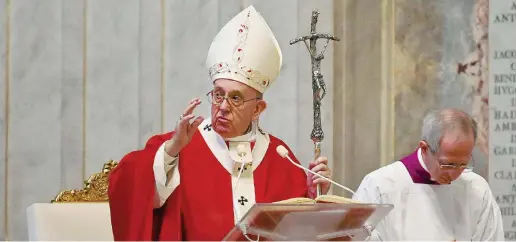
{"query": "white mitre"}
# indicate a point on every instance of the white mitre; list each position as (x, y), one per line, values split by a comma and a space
(245, 50)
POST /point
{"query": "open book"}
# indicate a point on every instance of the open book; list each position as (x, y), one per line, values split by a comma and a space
(319, 199)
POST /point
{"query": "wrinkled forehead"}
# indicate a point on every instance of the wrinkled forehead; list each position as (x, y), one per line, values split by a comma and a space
(457, 143)
(456, 149)
(454, 160)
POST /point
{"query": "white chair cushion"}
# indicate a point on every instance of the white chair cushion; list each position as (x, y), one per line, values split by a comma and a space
(69, 221)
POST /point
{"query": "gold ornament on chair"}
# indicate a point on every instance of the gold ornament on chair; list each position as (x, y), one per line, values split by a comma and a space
(95, 188)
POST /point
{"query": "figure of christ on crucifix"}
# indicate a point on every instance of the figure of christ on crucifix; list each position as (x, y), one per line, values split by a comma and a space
(318, 85)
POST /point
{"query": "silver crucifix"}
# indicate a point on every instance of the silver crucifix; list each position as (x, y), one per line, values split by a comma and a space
(318, 85)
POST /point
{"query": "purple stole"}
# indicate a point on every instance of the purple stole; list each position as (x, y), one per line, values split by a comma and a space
(416, 171)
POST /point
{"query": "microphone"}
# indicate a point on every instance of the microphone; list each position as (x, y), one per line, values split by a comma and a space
(241, 150)
(283, 152)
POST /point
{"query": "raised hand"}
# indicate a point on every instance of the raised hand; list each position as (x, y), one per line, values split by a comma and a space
(184, 129)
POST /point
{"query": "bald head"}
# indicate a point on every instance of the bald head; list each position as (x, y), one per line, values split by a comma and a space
(446, 123)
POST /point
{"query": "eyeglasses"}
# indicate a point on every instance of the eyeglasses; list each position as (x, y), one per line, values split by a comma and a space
(465, 168)
(235, 99)
(449, 167)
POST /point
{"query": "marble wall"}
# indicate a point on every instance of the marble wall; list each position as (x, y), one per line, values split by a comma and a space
(401, 59)
(83, 82)
(417, 53)
(438, 63)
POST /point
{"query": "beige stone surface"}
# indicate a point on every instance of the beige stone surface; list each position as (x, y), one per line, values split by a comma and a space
(417, 53)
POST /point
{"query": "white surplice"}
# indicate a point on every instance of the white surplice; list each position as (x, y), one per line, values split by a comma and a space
(464, 210)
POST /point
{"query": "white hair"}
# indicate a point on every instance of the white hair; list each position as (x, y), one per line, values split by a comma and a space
(437, 122)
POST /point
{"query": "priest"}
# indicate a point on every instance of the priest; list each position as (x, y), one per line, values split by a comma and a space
(197, 181)
(435, 194)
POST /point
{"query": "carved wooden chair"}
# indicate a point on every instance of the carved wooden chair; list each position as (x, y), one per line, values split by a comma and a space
(75, 214)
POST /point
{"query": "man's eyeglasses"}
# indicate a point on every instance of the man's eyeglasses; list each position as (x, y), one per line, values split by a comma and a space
(235, 99)
(449, 167)
(465, 168)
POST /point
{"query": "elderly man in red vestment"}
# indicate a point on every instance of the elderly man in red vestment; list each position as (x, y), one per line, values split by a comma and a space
(196, 182)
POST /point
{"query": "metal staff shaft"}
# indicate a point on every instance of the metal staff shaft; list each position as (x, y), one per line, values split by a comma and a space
(317, 150)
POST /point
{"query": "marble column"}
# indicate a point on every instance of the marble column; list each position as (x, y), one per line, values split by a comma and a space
(72, 91)
(363, 103)
(112, 79)
(35, 98)
(4, 33)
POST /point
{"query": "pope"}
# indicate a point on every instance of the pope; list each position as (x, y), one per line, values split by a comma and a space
(196, 182)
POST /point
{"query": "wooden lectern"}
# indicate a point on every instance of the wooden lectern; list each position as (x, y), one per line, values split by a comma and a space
(309, 222)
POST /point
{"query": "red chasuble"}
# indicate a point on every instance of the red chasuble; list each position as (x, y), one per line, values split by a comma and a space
(201, 207)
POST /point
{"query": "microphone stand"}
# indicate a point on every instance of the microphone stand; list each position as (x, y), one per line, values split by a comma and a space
(318, 85)
(283, 152)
